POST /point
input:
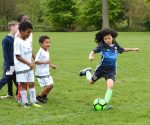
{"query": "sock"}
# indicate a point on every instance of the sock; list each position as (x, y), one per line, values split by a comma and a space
(108, 95)
(32, 95)
(24, 99)
(88, 75)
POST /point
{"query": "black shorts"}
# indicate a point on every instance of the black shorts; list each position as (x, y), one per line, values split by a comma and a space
(106, 72)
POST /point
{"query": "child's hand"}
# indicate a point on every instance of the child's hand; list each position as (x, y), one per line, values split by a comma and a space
(91, 58)
(137, 49)
(31, 65)
(54, 66)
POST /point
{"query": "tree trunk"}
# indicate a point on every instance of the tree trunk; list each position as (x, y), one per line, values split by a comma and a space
(105, 20)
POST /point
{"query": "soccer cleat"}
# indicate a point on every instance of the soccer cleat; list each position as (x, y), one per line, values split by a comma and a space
(83, 72)
(40, 99)
(6, 97)
(36, 105)
(26, 105)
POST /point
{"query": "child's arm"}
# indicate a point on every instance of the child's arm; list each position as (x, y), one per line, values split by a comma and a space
(52, 65)
(33, 55)
(46, 62)
(42, 62)
(31, 65)
(131, 49)
(91, 55)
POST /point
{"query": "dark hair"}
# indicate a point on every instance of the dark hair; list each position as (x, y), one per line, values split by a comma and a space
(100, 35)
(19, 18)
(42, 38)
(24, 26)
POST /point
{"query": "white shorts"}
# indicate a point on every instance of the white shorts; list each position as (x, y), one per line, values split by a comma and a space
(45, 81)
(27, 76)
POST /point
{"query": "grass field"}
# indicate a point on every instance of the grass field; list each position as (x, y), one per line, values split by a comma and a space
(70, 102)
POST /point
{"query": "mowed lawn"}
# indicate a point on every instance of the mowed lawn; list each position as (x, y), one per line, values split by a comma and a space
(71, 100)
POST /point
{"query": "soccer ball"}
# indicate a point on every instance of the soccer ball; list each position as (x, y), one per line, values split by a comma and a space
(99, 104)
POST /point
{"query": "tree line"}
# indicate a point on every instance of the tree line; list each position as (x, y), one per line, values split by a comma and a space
(77, 15)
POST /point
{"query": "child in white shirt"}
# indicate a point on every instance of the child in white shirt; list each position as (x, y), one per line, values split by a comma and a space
(42, 73)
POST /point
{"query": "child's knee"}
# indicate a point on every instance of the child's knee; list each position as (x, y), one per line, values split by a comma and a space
(49, 87)
(31, 85)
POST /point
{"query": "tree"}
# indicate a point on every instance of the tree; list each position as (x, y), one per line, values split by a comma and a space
(92, 13)
(7, 12)
(63, 15)
(105, 20)
(136, 13)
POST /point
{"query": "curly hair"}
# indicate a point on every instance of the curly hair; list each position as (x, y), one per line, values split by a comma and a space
(42, 38)
(100, 35)
(24, 26)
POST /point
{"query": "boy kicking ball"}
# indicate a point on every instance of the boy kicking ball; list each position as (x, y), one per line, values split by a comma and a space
(109, 49)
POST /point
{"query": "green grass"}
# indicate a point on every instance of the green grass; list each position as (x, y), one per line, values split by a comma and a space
(70, 102)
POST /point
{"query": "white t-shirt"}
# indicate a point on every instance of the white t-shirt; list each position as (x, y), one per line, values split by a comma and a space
(29, 38)
(24, 49)
(42, 69)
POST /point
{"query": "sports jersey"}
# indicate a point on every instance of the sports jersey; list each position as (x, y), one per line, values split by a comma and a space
(42, 69)
(109, 53)
(24, 49)
(29, 38)
(8, 51)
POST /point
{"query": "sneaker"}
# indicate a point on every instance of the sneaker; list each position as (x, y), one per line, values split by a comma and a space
(36, 105)
(45, 99)
(83, 72)
(40, 99)
(6, 97)
(26, 105)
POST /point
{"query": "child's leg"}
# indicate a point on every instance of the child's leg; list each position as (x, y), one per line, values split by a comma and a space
(87, 73)
(15, 82)
(108, 93)
(10, 85)
(32, 92)
(23, 93)
(46, 90)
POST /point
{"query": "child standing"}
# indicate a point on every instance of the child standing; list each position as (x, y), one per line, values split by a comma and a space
(24, 65)
(109, 50)
(42, 73)
(8, 55)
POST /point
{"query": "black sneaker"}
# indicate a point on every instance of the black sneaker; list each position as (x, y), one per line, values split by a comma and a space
(83, 72)
(45, 99)
(40, 99)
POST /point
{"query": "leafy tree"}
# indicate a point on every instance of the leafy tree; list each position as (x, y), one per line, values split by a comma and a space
(7, 12)
(136, 13)
(62, 13)
(33, 8)
(92, 14)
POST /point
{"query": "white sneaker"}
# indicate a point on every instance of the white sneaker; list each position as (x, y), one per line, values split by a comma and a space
(6, 97)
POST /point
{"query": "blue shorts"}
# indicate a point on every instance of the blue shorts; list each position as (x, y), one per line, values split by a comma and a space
(106, 72)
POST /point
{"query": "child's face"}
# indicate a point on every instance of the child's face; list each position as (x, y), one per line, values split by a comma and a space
(46, 44)
(14, 28)
(108, 39)
(25, 34)
(25, 18)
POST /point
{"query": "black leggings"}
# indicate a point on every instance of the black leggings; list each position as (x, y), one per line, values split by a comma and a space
(10, 80)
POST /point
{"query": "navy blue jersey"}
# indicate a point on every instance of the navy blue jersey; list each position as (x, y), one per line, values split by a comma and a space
(109, 53)
(8, 51)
